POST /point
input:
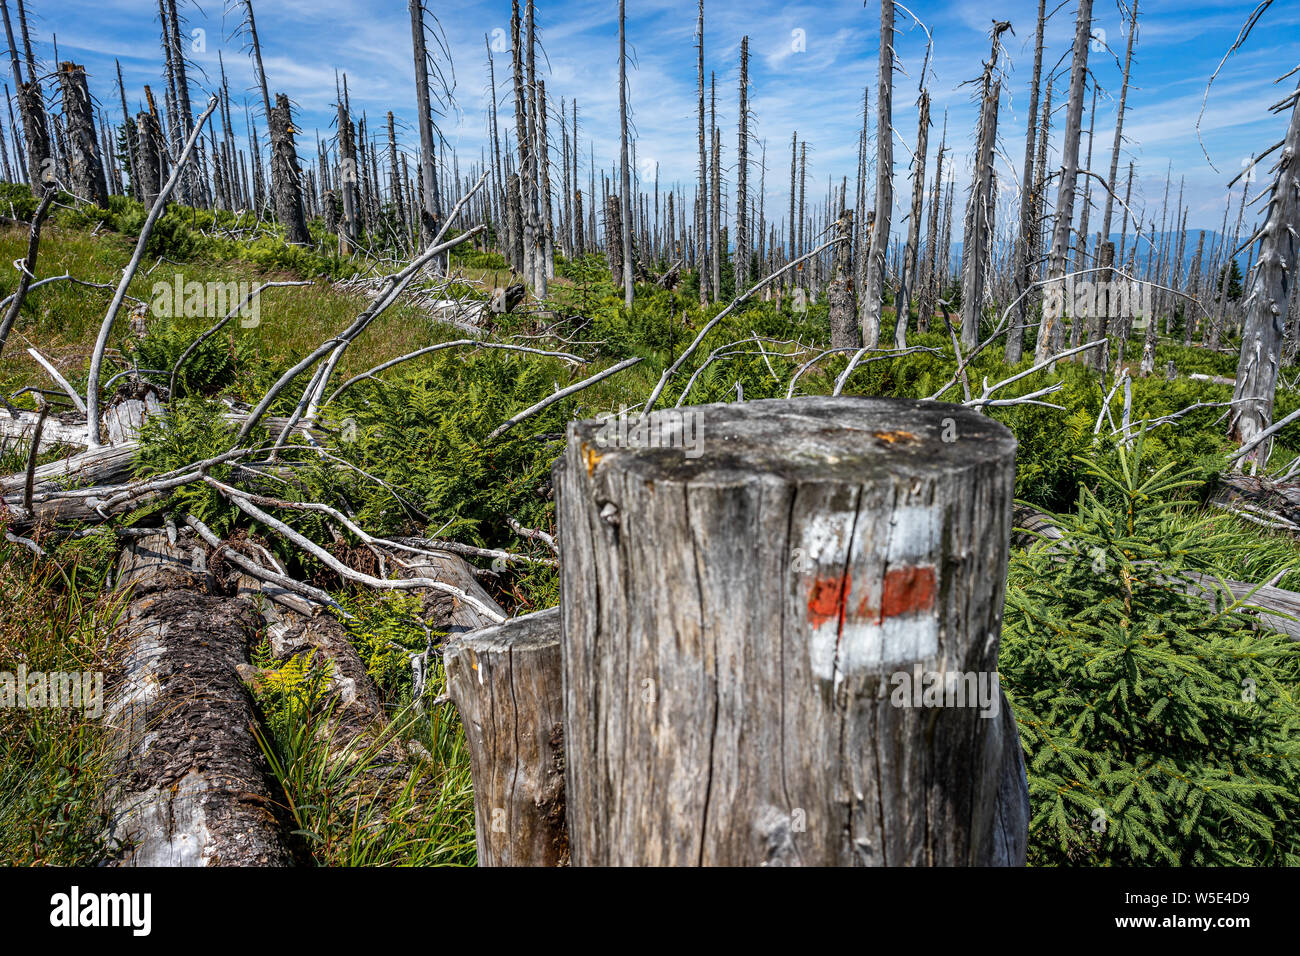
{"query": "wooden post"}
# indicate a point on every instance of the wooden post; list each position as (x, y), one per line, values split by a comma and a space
(506, 683)
(755, 597)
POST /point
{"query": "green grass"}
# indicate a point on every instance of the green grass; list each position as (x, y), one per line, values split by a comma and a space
(54, 762)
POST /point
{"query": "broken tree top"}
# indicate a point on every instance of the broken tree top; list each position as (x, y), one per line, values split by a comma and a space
(798, 440)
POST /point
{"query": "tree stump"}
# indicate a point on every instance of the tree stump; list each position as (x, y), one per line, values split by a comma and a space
(749, 634)
(506, 683)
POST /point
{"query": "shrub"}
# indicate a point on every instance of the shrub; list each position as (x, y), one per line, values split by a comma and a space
(1157, 730)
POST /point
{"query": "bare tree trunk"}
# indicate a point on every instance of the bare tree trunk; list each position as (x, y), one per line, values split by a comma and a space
(1098, 325)
(547, 212)
(532, 203)
(1270, 290)
(701, 203)
(873, 297)
(1069, 178)
(507, 683)
(348, 181)
(31, 107)
(715, 197)
(742, 174)
(149, 147)
(910, 256)
(515, 219)
(428, 178)
(929, 287)
(614, 238)
(85, 171)
(979, 225)
(793, 251)
(1030, 208)
(741, 720)
(623, 164)
(286, 178)
(841, 296)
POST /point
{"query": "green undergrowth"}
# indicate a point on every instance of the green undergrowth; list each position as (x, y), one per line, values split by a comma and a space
(1130, 691)
(1156, 732)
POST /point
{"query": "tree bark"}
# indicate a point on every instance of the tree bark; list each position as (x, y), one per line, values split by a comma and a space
(910, 255)
(873, 294)
(85, 171)
(193, 787)
(1050, 324)
(1030, 201)
(286, 177)
(836, 547)
(1270, 290)
(841, 296)
(506, 682)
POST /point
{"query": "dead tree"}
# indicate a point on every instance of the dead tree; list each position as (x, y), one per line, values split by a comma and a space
(547, 212)
(841, 296)
(85, 171)
(702, 190)
(929, 287)
(192, 784)
(755, 717)
(625, 170)
(614, 238)
(523, 143)
(348, 181)
(715, 193)
(1030, 209)
(1059, 256)
(910, 254)
(742, 172)
(149, 158)
(871, 304)
(428, 182)
(286, 177)
(1270, 288)
(979, 226)
(31, 107)
(1093, 356)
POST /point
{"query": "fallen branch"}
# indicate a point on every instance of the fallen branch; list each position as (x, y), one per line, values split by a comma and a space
(241, 502)
(558, 396)
(159, 206)
(26, 266)
(384, 366)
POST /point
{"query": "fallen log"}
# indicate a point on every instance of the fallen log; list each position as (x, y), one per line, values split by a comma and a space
(102, 466)
(193, 787)
(445, 612)
(57, 430)
(506, 684)
(296, 626)
(1271, 504)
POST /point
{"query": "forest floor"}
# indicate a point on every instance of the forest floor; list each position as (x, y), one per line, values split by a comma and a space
(424, 432)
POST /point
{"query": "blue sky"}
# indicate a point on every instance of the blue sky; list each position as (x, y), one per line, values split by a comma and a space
(816, 90)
